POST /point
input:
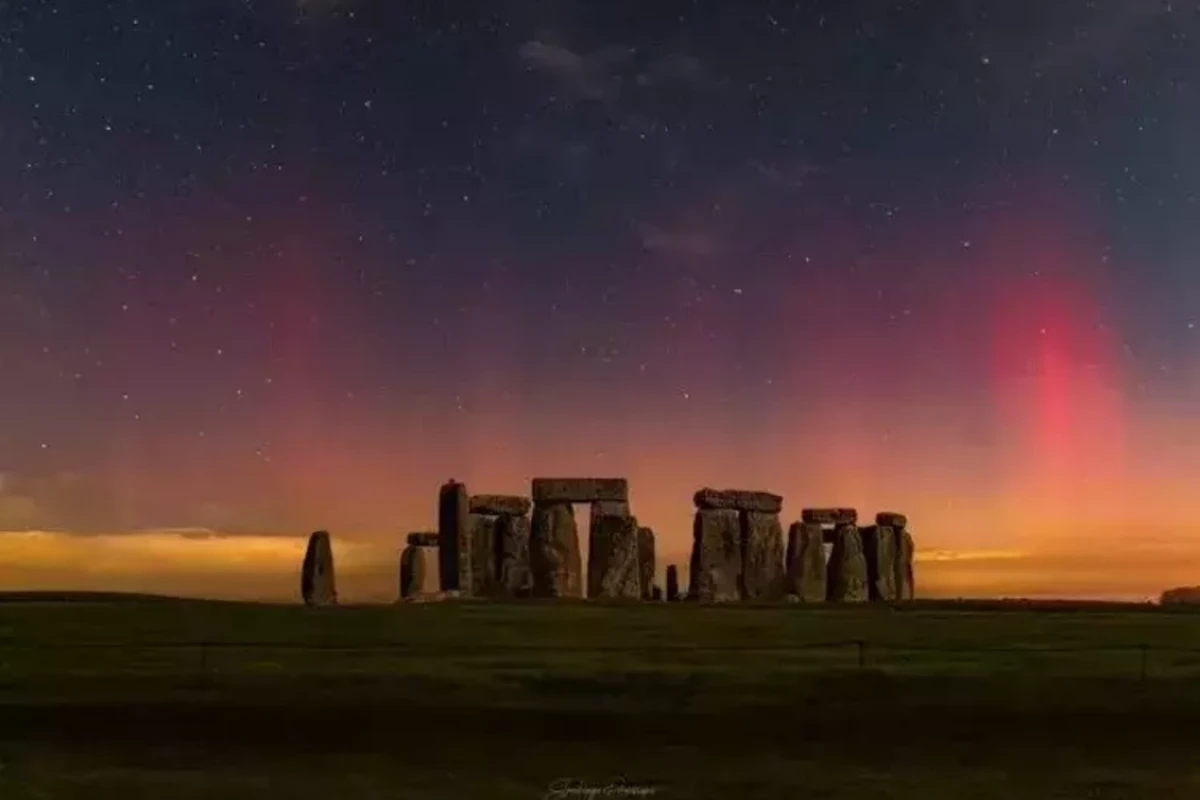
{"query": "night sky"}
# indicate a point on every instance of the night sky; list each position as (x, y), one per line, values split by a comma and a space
(268, 267)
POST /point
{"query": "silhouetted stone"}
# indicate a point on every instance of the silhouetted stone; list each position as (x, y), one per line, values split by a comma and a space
(646, 565)
(762, 556)
(554, 557)
(656, 593)
(905, 584)
(879, 548)
(891, 519)
(423, 539)
(317, 585)
(806, 562)
(483, 554)
(512, 543)
(716, 556)
(610, 508)
(499, 504)
(830, 516)
(547, 491)
(672, 583)
(739, 500)
(847, 572)
(613, 572)
(1182, 595)
(412, 571)
(454, 539)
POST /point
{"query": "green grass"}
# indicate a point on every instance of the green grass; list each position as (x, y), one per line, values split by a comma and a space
(188, 699)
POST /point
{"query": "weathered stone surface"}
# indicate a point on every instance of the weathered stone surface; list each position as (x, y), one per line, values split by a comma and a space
(610, 508)
(905, 584)
(483, 554)
(646, 564)
(579, 490)
(412, 571)
(613, 572)
(1182, 595)
(830, 516)
(891, 519)
(879, 548)
(762, 556)
(454, 538)
(739, 500)
(423, 539)
(806, 562)
(672, 583)
(554, 557)
(847, 569)
(317, 585)
(512, 544)
(716, 566)
(656, 593)
(498, 504)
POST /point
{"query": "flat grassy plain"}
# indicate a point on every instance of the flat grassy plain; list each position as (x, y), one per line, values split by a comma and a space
(145, 697)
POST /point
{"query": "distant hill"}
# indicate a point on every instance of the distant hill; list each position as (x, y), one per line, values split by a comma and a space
(92, 597)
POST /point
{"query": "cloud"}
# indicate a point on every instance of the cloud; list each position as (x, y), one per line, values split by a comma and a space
(594, 76)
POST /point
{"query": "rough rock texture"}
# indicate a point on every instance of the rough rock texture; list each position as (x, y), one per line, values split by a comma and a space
(892, 520)
(1182, 595)
(830, 516)
(879, 548)
(613, 572)
(412, 571)
(762, 556)
(554, 557)
(512, 555)
(672, 583)
(847, 567)
(483, 554)
(646, 564)
(739, 500)
(317, 585)
(454, 538)
(547, 491)
(610, 508)
(905, 585)
(656, 593)
(806, 562)
(499, 504)
(423, 539)
(716, 566)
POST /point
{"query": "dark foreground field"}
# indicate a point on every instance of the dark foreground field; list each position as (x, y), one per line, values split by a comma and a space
(162, 699)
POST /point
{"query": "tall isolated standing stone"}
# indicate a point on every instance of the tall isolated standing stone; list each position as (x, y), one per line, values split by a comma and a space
(905, 583)
(454, 538)
(762, 556)
(716, 565)
(646, 562)
(512, 556)
(412, 571)
(317, 585)
(806, 562)
(672, 583)
(613, 570)
(847, 581)
(554, 557)
(879, 548)
(483, 529)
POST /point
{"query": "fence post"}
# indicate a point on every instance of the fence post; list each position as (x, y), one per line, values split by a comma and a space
(862, 653)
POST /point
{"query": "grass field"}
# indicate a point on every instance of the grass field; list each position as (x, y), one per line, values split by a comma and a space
(159, 698)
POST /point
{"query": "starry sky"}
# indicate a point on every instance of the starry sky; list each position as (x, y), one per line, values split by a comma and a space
(272, 266)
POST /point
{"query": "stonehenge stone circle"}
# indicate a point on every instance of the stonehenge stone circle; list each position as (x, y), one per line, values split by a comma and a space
(806, 562)
(716, 566)
(454, 538)
(512, 553)
(579, 490)
(483, 555)
(610, 508)
(738, 500)
(905, 585)
(499, 504)
(656, 593)
(613, 570)
(672, 583)
(879, 549)
(423, 539)
(412, 571)
(646, 563)
(847, 579)
(762, 556)
(554, 558)
(891, 519)
(317, 585)
(830, 516)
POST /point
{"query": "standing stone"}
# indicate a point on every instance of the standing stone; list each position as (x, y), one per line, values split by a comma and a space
(512, 556)
(499, 504)
(879, 548)
(454, 539)
(672, 583)
(830, 516)
(610, 508)
(656, 593)
(716, 556)
(613, 570)
(806, 562)
(317, 585)
(762, 556)
(646, 564)
(554, 557)
(847, 567)
(739, 500)
(423, 539)
(412, 571)
(905, 586)
(548, 491)
(892, 520)
(483, 554)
